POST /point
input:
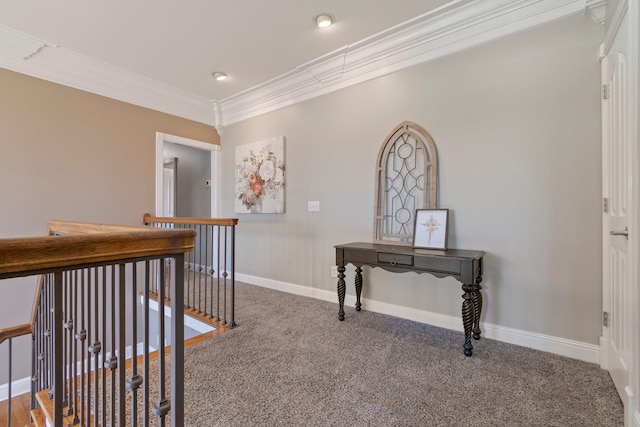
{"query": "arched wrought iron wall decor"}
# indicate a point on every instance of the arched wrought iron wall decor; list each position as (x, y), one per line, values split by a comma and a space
(406, 180)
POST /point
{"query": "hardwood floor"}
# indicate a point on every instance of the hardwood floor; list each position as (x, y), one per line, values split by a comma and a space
(20, 408)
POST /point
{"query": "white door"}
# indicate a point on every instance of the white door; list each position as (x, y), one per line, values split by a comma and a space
(617, 186)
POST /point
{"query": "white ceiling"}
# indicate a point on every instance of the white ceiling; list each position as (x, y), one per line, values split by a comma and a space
(182, 43)
(160, 53)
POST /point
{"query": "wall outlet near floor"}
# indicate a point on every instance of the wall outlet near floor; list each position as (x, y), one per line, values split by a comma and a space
(334, 271)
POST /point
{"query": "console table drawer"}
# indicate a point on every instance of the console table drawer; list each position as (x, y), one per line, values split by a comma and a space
(395, 259)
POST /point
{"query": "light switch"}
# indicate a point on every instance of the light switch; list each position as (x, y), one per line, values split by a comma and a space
(314, 206)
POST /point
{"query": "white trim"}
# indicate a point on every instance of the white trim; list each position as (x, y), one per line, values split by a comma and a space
(187, 141)
(189, 321)
(18, 387)
(216, 175)
(17, 45)
(161, 138)
(564, 347)
(634, 221)
(451, 28)
(66, 67)
(614, 25)
(597, 10)
(23, 385)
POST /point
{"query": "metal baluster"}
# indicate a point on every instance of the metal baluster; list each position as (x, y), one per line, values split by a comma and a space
(206, 265)
(50, 343)
(199, 237)
(87, 349)
(58, 349)
(36, 337)
(122, 371)
(165, 284)
(34, 352)
(134, 380)
(177, 351)
(96, 348)
(9, 396)
(103, 318)
(218, 281)
(145, 312)
(73, 344)
(232, 322)
(45, 376)
(224, 276)
(192, 273)
(112, 363)
(162, 405)
(67, 342)
(211, 271)
(81, 336)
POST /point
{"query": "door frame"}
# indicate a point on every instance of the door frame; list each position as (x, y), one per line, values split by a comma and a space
(214, 149)
(631, 398)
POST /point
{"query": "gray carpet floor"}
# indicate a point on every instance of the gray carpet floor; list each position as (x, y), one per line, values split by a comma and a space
(290, 362)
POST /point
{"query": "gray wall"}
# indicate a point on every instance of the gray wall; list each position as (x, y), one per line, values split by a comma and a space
(517, 127)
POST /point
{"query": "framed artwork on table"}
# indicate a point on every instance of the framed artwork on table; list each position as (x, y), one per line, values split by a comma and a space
(430, 229)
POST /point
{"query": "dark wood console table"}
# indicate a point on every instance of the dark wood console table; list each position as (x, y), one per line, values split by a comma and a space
(465, 266)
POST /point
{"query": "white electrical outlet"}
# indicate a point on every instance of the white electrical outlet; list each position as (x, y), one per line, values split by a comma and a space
(334, 271)
(314, 206)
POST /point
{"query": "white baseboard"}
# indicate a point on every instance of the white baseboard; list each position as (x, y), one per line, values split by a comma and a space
(561, 346)
(189, 321)
(18, 387)
(23, 385)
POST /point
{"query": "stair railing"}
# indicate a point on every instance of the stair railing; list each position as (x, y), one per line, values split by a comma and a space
(87, 365)
(210, 267)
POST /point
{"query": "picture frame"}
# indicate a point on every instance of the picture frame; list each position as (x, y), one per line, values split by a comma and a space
(260, 177)
(431, 229)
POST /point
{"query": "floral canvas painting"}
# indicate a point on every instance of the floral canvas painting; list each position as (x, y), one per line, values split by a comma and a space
(260, 177)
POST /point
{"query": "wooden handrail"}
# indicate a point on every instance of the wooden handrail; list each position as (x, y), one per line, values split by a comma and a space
(71, 227)
(148, 218)
(35, 255)
(14, 331)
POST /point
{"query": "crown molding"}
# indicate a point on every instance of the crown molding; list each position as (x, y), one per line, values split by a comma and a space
(28, 55)
(17, 45)
(597, 10)
(458, 25)
(615, 22)
(454, 27)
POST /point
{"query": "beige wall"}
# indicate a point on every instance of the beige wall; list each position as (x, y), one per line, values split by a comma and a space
(517, 127)
(69, 154)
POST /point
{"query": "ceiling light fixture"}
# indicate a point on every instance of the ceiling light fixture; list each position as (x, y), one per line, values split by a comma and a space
(324, 20)
(220, 76)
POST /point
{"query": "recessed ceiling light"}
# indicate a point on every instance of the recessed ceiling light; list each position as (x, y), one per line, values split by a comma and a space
(219, 75)
(324, 20)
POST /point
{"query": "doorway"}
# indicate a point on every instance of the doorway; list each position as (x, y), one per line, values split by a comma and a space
(196, 193)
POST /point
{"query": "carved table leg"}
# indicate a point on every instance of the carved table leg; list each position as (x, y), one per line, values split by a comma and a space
(477, 308)
(468, 317)
(342, 290)
(358, 287)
